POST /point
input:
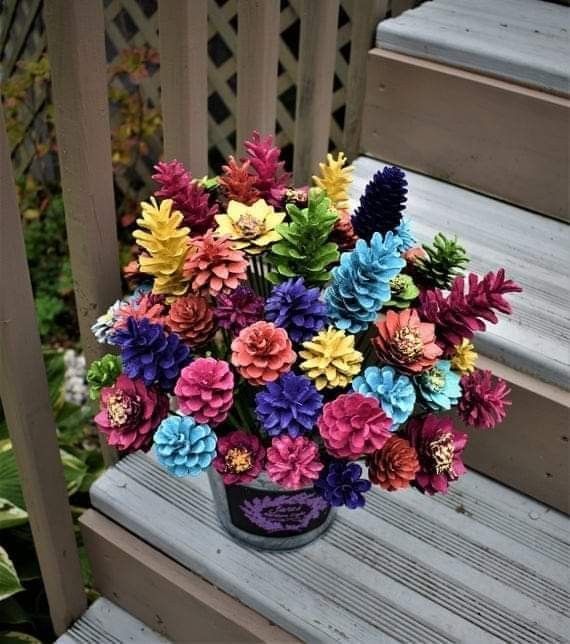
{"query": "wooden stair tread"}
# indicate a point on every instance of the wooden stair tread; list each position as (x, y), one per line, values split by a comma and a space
(481, 564)
(534, 249)
(524, 41)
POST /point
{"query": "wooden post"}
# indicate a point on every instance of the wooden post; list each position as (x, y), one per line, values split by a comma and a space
(75, 34)
(25, 398)
(317, 56)
(183, 36)
(365, 17)
(257, 60)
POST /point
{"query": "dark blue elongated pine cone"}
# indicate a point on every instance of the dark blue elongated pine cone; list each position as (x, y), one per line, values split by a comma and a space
(382, 204)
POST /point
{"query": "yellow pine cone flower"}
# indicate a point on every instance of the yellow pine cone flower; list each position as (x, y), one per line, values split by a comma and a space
(166, 246)
(330, 359)
(464, 357)
(335, 180)
(249, 228)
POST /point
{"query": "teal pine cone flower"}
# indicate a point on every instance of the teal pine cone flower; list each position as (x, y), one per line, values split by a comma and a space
(183, 446)
(403, 292)
(103, 373)
(439, 386)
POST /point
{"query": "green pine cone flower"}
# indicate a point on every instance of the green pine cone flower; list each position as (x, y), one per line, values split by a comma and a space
(403, 292)
(445, 259)
(103, 373)
(304, 250)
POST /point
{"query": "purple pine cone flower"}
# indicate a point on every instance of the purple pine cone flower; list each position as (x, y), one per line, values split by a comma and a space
(290, 405)
(238, 309)
(340, 484)
(297, 309)
(151, 354)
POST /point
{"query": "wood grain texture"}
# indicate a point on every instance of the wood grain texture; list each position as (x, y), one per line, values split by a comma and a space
(26, 403)
(317, 54)
(257, 58)
(495, 137)
(75, 34)
(183, 36)
(173, 601)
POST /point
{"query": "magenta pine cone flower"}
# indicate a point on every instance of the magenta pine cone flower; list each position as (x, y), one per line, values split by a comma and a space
(205, 390)
(353, 425)
(238, 309)
(484, 399)
(240, 458)
(439, 446)
(293, 462)
(130, 412)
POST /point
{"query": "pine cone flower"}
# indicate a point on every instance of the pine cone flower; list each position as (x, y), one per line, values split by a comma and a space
(412, 256)
(151, 354)
(353, 425)
(394, 391)
(250, 228)
(330, 359)
(188, 195)
(166, 244)
(290, 405)
(404, 232)
(343, 234)
(439, 447)
(293, 462)
(439, 386)
(240, 458)
(142, 305)
(340, 484)
(262, 352)
(335, 179)
(297, 309)
(213, 266)
(405, 342)
(237, 182)
(192, 319)
(238, 309)
(264, 159)
(132, 273)
(394, 466)
(104, 327)
(183, 446)
(382, 204)
(204, 390)
(130, 412)
(464, 357)
(403, 292)
(484, 399)
(103, 373)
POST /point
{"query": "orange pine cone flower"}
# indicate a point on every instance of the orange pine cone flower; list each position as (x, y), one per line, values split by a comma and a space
(262, 352)
(192, 319)
(238, 182)
(213, 266)
(405, 342)
(394, 466)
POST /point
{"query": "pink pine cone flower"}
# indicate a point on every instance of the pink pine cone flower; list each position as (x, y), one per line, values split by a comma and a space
(353, 425)
(293, 462)
(149, 306)
(439, 446)
(130, 412)
(204, 390)
(484, 399)
(240, 458)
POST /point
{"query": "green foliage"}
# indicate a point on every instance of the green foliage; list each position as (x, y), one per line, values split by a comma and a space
(445, 259)
(304, 249)
(103, 373)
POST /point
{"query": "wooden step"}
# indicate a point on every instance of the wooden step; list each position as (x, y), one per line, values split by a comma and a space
(482, 564)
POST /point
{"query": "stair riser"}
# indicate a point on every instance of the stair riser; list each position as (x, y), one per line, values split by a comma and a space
(498, 138)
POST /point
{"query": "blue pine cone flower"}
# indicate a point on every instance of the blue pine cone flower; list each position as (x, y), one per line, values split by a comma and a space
(183, 446)
(439, 386)
(404, 232)
(394, 391)
(340, 483)
(151, 354)
(382, 203)
(297, 309)
(361, 282)
(290, 405)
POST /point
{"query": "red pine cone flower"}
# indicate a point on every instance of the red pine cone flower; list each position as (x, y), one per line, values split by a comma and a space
(262, 352)
(343, 234)
(394, 466)
(192, 319)
(240, 458)
(205, 390)
(213, 266)
(484, 399)
(238, 183)
(353, 425)
(405, 342)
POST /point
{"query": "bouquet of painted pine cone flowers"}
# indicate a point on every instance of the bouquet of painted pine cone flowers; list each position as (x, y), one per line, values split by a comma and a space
(271, 330)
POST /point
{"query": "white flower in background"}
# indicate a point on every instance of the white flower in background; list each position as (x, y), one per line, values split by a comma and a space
(75, 386)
